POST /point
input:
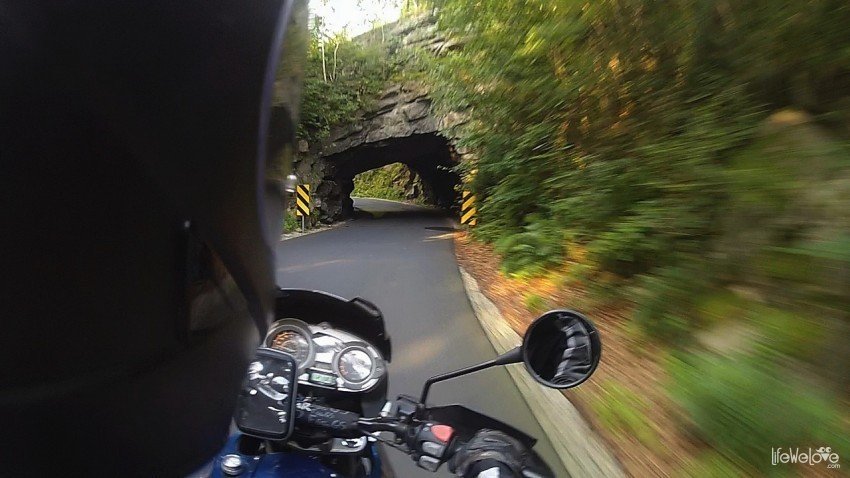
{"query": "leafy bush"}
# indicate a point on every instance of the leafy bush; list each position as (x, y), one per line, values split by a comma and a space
(339, 80)
(667, 300)
(387, 182)
(743, 405)
(291, 222)
(534, 303)
(624, 412)
(616, 121)
(653, 135)
(538, 245)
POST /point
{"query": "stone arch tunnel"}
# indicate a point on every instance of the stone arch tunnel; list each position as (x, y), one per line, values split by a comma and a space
(399, 128)
(427, 155)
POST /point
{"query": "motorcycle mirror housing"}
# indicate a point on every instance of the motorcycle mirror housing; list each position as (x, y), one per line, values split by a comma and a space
(561, 349)
(290, 183)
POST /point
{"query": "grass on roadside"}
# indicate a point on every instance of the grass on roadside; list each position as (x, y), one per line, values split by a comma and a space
(624, 412)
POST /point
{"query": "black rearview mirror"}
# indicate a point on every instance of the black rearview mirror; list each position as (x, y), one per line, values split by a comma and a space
(561, 349)
(266, 403)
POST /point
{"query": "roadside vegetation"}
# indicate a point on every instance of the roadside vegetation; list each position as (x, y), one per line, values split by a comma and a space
(394, 181)
(343, 76)
(682, 167)
(678, 170)
(291, 222)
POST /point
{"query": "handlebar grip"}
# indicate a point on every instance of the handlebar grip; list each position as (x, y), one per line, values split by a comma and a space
(307, 413)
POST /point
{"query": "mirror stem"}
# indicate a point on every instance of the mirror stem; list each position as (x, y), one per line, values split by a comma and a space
(511, 356)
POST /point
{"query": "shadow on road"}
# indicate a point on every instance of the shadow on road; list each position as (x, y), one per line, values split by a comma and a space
(398, 211)
(441, 228)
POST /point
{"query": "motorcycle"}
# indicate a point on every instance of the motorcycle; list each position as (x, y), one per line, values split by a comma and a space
(313, 402)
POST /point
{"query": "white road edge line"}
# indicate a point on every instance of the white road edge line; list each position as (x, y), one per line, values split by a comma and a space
(325, 227)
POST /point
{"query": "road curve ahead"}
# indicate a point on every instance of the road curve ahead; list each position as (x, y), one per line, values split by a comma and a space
(401, 257)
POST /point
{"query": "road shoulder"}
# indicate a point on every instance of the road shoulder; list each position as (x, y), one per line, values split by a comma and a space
(313, 230)
(581, 451)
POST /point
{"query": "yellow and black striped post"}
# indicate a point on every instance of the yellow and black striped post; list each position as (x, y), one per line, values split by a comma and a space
(468, 213)
(302, 202)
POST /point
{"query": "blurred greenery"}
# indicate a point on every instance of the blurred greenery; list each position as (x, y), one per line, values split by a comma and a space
(535, 303)
(711, 464)
(744, 405)
(388, 182)
(342, 76)
(624, 412)
(291, 222)
(697, 152)
(616, 121)
(690, 156)
(538, 245)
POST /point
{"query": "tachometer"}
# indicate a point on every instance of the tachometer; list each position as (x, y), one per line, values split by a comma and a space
(293, 337)
(292, 343)
(355, 365)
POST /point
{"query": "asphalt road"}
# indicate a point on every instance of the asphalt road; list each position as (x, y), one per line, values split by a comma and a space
(401, 258)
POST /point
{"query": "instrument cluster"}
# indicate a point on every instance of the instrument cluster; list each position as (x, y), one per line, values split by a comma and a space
(328, 357)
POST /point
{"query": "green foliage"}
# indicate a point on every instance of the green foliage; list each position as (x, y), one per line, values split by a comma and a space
(666, 300)
(742, 405)
(291, 222)
(341, 77)
(624, 412)
(711, 464)
(387, 182)
(616, 119)
(535, 303)
(656, 137)
(647, 134)
(788, 225)
(538, 245)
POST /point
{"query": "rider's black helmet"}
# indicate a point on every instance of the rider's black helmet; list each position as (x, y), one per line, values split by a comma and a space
(143, 146)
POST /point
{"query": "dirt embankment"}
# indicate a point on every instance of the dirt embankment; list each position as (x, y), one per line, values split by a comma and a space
(625, 400)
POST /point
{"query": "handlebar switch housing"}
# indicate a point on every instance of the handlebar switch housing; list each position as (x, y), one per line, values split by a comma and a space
(407, 408)
(431, 443)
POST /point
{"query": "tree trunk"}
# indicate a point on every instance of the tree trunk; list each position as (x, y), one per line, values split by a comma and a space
(336, 47)
(324, 67)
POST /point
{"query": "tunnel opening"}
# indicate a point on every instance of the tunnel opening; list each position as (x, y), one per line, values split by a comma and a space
(429, 156)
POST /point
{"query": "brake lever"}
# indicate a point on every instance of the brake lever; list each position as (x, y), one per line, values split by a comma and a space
(382, 424)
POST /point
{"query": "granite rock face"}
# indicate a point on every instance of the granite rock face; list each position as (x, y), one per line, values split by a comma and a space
(399, 126)
(401, 111)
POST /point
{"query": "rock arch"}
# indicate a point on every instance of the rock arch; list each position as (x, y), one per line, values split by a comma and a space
(400, 127)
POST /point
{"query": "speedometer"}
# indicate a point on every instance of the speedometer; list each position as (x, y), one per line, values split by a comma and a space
(355, 365)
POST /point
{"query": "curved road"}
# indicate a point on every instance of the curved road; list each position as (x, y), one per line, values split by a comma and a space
(401, 257)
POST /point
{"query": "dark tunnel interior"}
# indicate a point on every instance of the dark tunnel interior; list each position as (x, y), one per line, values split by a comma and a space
(428, 155)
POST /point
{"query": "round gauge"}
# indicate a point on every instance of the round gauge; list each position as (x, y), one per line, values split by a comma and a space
(293, 343)
(355, 365)
(293, 337)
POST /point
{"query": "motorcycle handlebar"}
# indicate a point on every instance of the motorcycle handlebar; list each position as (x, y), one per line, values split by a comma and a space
(333, 419)
(427, 446)
(345, 424)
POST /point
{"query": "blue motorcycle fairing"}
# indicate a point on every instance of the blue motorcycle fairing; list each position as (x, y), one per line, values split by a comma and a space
(272, 465)
(283, 465)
